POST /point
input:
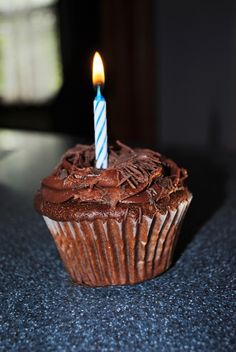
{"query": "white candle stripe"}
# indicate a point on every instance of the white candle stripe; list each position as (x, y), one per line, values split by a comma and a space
(98, 155)
(102, 154)
(98, 108)
(99, 127)
(101, 137)
(101, 131)
(103, 159)
(96, 103)
(100, 115)
(102, 145)
(104, 163)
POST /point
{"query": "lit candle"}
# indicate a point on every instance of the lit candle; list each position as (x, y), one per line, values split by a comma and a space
(100, 120)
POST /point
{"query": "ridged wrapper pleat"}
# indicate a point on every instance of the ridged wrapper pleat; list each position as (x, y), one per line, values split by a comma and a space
(104, 252)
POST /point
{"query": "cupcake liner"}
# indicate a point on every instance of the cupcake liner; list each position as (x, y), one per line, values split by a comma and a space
(110, 252)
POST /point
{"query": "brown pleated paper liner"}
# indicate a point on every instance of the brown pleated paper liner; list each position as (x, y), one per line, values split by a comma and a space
(110, 252)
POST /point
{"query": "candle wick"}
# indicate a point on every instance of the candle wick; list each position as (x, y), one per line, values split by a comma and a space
(99, 90)
(99, 93)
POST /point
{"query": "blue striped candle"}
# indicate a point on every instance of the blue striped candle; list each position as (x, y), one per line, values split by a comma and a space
(100, 127)
(100, 119)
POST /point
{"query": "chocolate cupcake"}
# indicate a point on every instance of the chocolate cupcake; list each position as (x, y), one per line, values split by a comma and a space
(118, 225)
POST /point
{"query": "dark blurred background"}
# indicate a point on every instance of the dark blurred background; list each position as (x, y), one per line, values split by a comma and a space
(170, 69)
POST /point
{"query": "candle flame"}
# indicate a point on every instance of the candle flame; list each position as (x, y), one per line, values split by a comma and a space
(98, 70)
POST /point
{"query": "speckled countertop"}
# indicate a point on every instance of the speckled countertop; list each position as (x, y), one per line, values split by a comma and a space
(192, 307)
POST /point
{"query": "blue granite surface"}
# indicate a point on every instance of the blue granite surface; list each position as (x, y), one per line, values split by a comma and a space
(192, 307)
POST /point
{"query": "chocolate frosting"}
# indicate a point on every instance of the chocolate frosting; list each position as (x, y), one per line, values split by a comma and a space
(134, 176)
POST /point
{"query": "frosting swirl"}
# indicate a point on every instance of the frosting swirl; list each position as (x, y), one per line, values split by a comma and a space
(133, 176)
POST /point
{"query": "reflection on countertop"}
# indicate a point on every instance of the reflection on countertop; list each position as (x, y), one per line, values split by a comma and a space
(25, 157)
